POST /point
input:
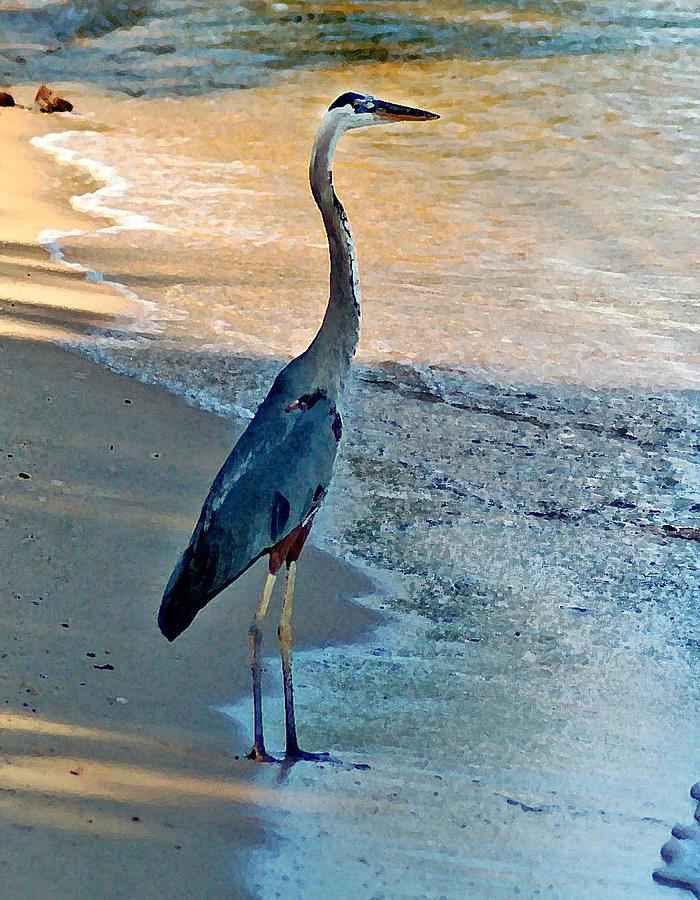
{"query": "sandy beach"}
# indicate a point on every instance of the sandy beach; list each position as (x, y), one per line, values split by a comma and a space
(117, 778)
(41, 299)
(515, 700)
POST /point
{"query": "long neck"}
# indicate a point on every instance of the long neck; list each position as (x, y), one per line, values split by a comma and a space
(337, 338)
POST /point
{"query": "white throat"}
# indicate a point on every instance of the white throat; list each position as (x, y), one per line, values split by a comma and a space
(337, 339)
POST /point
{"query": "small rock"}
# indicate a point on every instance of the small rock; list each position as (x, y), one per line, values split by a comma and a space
(6, 99)
(48, 102)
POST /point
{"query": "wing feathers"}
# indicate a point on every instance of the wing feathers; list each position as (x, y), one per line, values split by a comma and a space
(276, 473)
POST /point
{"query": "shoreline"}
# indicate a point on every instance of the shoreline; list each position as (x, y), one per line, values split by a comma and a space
(44, 299)
(537, 652)
(116, 769)
(259, 260)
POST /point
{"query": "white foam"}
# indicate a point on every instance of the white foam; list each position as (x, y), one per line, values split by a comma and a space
(48, 238)
(114, 185)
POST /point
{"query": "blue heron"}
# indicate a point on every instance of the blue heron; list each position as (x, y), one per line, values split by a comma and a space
(265, 497)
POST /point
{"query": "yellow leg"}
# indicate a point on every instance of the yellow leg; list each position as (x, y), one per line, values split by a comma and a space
(284, 632)
(254, 644)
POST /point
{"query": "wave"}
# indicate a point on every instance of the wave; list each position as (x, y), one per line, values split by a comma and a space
(113, 184)
(112, 187)
(68, 19)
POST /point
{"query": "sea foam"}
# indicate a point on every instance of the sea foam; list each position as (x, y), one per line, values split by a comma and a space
(113, 187)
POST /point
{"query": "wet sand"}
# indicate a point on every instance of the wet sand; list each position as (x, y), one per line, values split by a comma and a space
(117, 777)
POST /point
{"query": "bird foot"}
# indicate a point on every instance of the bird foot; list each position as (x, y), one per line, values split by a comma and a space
(297, 755)
(258, 754)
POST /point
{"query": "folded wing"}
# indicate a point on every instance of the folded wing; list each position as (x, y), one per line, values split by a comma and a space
(270, 483)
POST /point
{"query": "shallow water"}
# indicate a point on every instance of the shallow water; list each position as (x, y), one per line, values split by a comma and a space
(478, 247)
(524, 413)
(536, 728)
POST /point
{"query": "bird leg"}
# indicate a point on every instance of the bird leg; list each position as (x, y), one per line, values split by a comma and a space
(284, 633)
(254, 644)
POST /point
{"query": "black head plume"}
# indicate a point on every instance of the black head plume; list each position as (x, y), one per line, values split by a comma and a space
(350, 98)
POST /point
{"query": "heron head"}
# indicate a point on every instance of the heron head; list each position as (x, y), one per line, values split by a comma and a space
(358, 110)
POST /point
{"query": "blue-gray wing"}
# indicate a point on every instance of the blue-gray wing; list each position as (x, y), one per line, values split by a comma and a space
(271, 482)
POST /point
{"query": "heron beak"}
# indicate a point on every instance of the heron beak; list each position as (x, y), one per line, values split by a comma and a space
(394, 112)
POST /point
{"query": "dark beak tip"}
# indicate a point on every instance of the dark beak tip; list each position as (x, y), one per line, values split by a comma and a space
(426, 116)
(416, 115)
(423, 115)
(399, 113)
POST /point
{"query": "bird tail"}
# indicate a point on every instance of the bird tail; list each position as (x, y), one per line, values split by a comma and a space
(183, 598)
